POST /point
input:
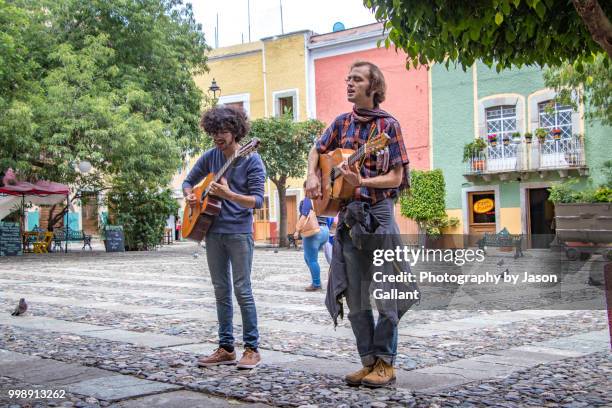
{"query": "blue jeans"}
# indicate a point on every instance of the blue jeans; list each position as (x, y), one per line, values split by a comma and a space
(375, 340)
(223, 250)
(312, 245)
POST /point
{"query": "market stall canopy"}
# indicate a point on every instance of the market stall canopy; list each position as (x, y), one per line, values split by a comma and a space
(40, 188)
(39, 193)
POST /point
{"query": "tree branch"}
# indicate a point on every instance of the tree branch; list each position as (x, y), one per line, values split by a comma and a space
(596, 22)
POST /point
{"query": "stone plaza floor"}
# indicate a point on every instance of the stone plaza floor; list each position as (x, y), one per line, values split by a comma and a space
(126, 329)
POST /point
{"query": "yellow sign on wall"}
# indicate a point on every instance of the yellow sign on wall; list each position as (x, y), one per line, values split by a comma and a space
(484, 206)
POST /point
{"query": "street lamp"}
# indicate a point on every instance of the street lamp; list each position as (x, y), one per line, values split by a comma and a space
(213, 89)
(84, 166)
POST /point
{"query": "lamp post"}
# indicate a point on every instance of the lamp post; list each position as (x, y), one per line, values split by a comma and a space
(84, 166)
(214, 89)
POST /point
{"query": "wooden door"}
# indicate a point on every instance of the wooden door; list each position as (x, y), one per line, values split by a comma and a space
(481, 210)
(89, 214)
(291, 214)
(261, 223)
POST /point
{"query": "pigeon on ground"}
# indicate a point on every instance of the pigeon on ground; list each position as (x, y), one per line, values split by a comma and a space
(504, 273)
(21, 308)
(500, 262)
(196, 255)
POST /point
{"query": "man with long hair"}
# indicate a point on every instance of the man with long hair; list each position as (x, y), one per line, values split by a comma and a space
(229, 239)
(377, 183)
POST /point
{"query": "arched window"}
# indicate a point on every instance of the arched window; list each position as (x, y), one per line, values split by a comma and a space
(499, 116)
(501, 121)
(552, 115)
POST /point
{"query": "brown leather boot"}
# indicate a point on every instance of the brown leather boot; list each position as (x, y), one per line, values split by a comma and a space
(356, 377)
(219, 357)
(250, 359)
(382, 374)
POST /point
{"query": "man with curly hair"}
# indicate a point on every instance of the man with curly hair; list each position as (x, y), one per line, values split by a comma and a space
(229, 239)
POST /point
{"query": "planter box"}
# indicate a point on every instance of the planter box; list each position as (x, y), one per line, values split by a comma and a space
(584, 222)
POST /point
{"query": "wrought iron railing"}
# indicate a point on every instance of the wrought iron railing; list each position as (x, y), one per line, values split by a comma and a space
(551, 154)
(561, 153)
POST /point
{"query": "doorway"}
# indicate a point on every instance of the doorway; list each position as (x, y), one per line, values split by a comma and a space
(291, 201)
(89, 213)
(481, 210)
(541, 214)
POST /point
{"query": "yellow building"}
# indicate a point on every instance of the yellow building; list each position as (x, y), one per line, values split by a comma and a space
(265, 78)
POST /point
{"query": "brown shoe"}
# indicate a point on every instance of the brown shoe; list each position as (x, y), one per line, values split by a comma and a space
(219, 357)
(356, 377)
(382, 374)
(312, 288)
(250, 359)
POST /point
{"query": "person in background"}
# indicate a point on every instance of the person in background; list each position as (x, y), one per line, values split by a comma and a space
(177, 229)
(312, 244)
(332, 223)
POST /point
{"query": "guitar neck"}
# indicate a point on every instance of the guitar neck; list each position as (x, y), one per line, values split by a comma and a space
(353, 158)
(225, 167)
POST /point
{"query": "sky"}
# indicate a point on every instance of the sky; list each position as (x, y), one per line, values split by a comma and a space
(316, 15)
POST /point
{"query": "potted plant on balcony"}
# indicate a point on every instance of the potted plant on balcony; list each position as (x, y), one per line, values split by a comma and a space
(471, 153)
(541, 134)
(516, 137)
(556, 132)
(506, 140)
(492, 139)
(528, 137)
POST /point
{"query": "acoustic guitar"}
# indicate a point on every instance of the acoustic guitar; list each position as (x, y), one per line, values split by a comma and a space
(198, 219)
(333, 188)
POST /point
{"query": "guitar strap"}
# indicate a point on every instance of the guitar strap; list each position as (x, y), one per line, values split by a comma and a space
(373, 129)
(382, 157)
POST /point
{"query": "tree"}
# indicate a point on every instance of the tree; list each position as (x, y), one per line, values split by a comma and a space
(284, 151)
(425, 202)
(107, 81)
(109, 68)
(143, 213)
(501, 33)
(589, 83)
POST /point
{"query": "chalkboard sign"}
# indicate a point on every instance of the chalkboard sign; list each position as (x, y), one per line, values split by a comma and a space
(114, 238)
(10, 239)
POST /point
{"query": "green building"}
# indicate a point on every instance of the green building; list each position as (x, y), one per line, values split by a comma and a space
(505, 185)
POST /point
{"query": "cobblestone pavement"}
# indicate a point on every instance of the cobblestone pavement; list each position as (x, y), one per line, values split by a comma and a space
(126, 330)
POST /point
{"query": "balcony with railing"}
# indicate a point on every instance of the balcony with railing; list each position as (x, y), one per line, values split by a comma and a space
(518, 158)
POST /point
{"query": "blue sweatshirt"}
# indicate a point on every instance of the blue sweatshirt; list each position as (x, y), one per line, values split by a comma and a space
(246, 176)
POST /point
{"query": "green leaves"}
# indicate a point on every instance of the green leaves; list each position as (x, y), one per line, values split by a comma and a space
(506, 33)
(427, 195)
(425, 201)
(142, 212)
(588, 83)
(82, 86)
(499, 18)
(285, 144)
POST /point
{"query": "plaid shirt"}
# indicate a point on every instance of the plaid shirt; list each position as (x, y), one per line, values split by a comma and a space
(347, 133)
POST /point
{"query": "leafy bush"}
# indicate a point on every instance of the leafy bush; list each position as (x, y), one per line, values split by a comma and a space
(607, 172)
(143, 214)
(434, 227)
(425, 202)
(473, 148)
(566, 193)
(602, 195)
